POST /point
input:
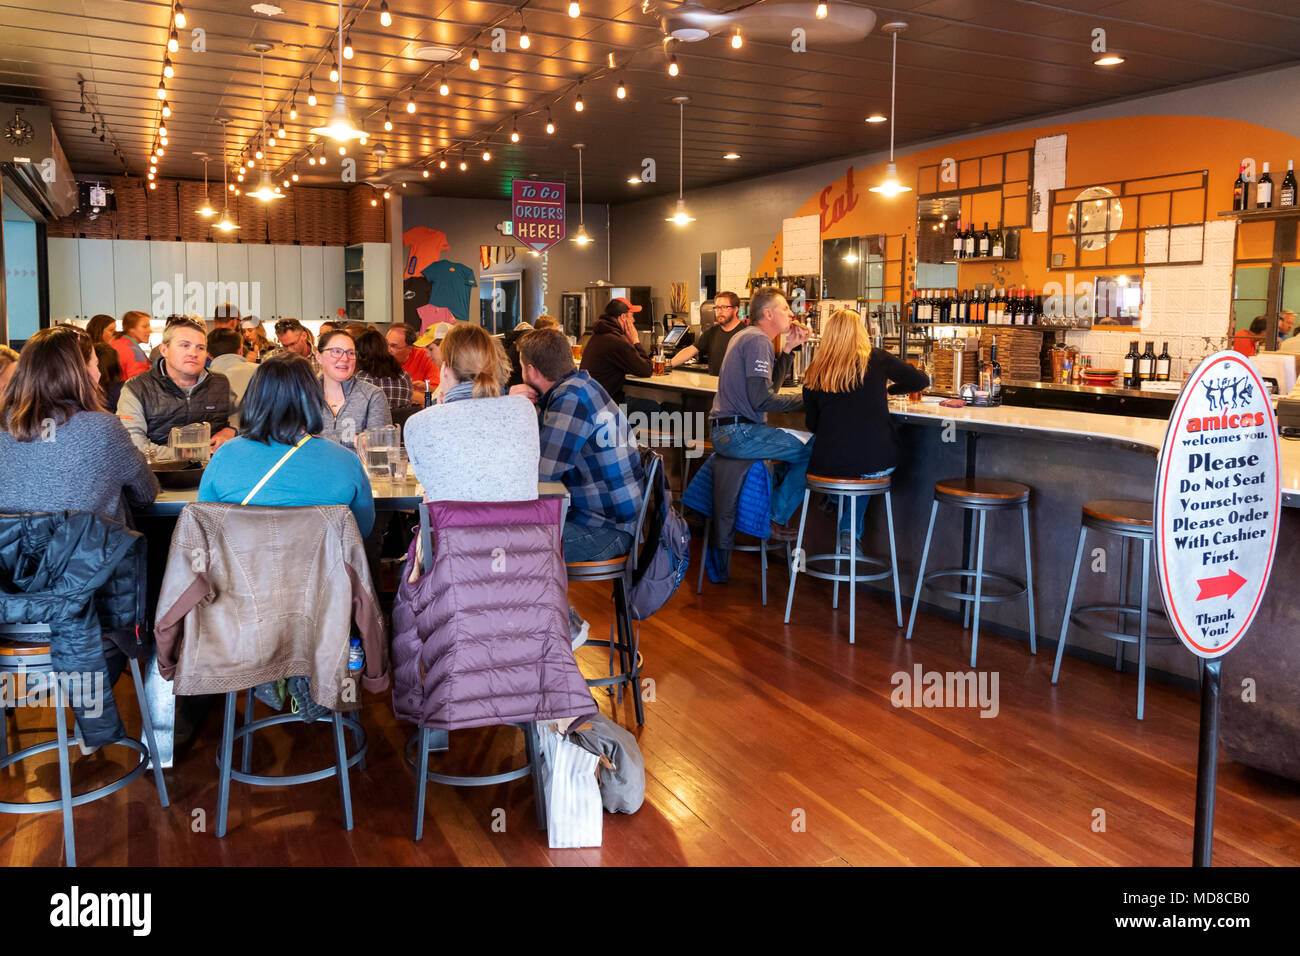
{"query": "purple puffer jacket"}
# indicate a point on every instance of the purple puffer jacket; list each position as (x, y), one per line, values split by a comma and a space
(483, 637)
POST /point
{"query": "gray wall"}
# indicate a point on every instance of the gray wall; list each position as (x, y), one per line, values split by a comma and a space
(470, 223)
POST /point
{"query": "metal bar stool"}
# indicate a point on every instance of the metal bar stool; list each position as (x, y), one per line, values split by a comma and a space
(343, 761)
(853, 489)
(980, 495)
(32, 658)
(764, 546)
(1129, 520)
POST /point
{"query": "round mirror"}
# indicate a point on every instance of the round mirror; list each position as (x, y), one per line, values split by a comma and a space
(1099, 215)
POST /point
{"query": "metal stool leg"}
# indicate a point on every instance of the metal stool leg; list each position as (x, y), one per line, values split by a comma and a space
(839, 513)
(1121, 619)
(531, 750)
(4, 725)
(357, 734)
(65, 774)
(227, 754)
(1142, 627)
(246, 762)
(630, 641)
(798, 546)
(341, 757)
(969, 565)
(979, 589)
(920, 574)
(704, 553)
(1069, 604)
(421, 782)
(893, 559)
(853, 565)
(149, 740)
(1029, 582)
(762, 568)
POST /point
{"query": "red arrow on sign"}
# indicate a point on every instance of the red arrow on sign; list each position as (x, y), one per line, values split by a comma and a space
(1227, 585)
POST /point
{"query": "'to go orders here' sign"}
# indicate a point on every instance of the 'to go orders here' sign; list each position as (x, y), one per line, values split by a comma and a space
(537, 210)
(1217, 502)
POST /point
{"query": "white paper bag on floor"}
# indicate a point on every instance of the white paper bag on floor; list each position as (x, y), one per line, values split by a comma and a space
(574, 813)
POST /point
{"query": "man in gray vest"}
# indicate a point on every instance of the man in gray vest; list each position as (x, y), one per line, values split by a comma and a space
(177, 391)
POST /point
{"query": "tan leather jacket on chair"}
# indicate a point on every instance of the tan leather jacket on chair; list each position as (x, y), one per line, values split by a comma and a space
(252, 595)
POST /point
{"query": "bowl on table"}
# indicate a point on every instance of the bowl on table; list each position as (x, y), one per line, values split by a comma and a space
(177, 474)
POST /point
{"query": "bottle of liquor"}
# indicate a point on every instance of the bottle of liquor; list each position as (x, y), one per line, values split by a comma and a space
(969, 239)
(997, 243)
(958, 243)
(1147, 363)
(1163, 364)
(1240, 191)
(428, 394)
(985, 246)
(1131, 379)
(1286, 195)
(995, 375)
(1264, 191)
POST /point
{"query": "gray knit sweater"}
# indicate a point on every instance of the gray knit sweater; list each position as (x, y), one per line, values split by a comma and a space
(90, 465)
(364, 408)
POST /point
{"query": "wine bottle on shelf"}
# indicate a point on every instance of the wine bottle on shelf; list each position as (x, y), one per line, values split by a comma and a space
(1286, 195)
(1000, 308)
(1131, 379)
(969, 239)
(1240, 191)
(997, 251)
(1163, 364)
(985, 246)
(995, 376)
(1264, 191)
(1147, 363)
(958, 243)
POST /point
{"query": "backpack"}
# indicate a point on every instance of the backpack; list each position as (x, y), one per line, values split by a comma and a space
(666, 554)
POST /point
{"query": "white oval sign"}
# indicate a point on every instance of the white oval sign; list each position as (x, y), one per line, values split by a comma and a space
(1217, 503)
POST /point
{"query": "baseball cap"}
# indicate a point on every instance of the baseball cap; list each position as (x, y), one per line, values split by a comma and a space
(434, 335)
(627, 306)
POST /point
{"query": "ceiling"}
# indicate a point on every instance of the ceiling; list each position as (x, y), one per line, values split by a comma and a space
(962, 64)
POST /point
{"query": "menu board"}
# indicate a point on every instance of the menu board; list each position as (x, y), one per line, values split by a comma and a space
(1217, 504)
(733, 271)
(801, 240)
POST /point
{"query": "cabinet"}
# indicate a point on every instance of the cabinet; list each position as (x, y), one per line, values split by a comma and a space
(95, 269)
(312, 283)
(201, 265)
(288, 283)
(332, 275)
(167, 266)
(132, 287)
(263, 290)
(65, 279)
(368, 283)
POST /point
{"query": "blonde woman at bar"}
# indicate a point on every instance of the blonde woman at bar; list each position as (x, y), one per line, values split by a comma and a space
(846, 405)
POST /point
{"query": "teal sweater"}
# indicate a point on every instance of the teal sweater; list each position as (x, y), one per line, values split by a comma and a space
(319, 473)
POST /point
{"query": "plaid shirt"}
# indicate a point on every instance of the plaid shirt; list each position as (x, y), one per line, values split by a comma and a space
(586, 443)
(281, 350)
(396, 390)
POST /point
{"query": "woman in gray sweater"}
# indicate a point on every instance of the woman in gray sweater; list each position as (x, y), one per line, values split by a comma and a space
(351, 406)
(59, 449)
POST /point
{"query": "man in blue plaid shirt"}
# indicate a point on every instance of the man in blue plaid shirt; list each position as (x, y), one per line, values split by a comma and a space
(586, 443)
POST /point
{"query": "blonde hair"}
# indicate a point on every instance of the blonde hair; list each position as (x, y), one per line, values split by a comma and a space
(474, 356)
(545, 321)
(842, 358)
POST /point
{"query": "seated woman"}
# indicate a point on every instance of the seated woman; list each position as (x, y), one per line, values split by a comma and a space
(256, 343)
(376, 366)
(110, 375)
(59, 449)
(846, 406)
(348, 407)
(281, 419)
(445, 442)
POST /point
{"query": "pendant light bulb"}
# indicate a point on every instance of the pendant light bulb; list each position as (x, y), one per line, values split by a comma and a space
(280, 129)
(892, 186)
(388, 121)
(168, 70)
(822, 10)
(180, 16)
(487, 155)
(621, 92)
(425, 173)
(387, 194)
(672, 65)
(550, 124)
(340, 127)
(680, 216)
(581, 238)
(174, 41)
(578, 104)
(334, 72)
(385, 18)
(294, 177)
(574, 10)
(206, 210)
(473, 61)
(463, 165)
(162, 90)
(166, 110)
(410, 103)
(443, 88)
(293, 109)
(162, 130)
(737, 41)
(524, 41)
(311, 95)
(347, 47)
(257, 154)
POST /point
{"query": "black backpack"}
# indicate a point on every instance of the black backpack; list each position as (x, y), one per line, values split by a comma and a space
(666, 553)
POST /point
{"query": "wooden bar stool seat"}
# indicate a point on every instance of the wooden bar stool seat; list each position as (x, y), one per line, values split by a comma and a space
(997, 490)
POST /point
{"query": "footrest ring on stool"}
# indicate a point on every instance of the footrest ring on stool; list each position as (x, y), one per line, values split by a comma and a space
(985, 596)
(464, 780)
(292, 780)
(47, 806)
(876, 567)
(1121, 636)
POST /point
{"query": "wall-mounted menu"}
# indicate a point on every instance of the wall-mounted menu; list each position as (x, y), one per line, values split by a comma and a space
(802, 243)
(733, 271)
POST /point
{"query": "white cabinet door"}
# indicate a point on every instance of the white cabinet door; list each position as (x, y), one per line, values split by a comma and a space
(313, 283)
(95, 263)
(334, 277)
(168, 277)
(65, 279)
(201, 267)
(132, 289)
(288, 282)
(232, 274)
(263, 291)
(378, 260)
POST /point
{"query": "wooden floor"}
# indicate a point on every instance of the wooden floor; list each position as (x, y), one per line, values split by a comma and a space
(764, 744)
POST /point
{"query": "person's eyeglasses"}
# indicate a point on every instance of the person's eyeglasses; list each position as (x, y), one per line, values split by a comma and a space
(340, 353)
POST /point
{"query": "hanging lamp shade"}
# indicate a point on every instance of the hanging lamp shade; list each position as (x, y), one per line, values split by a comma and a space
(340, 128)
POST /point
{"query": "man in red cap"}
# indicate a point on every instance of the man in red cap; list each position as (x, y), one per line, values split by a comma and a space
(615, 349)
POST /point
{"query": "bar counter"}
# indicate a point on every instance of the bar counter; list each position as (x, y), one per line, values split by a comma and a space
(1067, 458)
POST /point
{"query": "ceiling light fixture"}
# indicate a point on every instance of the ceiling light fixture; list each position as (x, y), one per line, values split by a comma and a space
(161, 139)
(385, 17)
(680, 216)
(473, 61)
(621, 92)
(265, 192)
(1110, 59)
(179, 16)
(524, 41)
(340, 127)
(822, 10)
(737, 41)
(206, 210)
(574, 10)
(581, 238)
(672, 65)
(174, 41)
(891, 186)
(224, 224)
(343, 149)
(550, 124)
(168, 70)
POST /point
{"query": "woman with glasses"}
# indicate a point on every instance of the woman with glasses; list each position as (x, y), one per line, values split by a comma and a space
(350, 406)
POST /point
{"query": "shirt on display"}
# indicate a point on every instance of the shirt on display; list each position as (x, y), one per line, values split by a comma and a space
(426, 247)
(451, 283)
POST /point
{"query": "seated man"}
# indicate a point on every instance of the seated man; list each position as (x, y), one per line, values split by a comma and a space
(295, 338)
(587, 444)
(226, 353)
(414, 361)
(431, 342)
(177, 391)
(748, 382)
(615, 350)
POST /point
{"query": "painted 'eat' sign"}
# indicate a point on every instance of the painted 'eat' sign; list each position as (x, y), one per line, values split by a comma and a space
(537, 210)
(1216, 505)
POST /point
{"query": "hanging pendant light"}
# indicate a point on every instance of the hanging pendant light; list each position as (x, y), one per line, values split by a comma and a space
(680, 216)
(224, 223)
(891, 186)
(385, 17)
(340, 127)
(206, 210)
(265, 192)
(581, 238)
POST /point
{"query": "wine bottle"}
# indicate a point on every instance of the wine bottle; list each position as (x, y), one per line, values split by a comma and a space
(995, 376)
(985, 248)
(1147, 363)
(1240, 190)
(970, 241)
(1264, 191)
(1286, 195)
(1163, 364)
(958, 243)
(997, 243)
(1131, 379)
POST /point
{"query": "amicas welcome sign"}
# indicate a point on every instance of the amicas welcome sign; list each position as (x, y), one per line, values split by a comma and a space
(1217, 504)
(537, 210)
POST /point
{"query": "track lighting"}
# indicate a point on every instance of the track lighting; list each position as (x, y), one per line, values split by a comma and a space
(385, 17)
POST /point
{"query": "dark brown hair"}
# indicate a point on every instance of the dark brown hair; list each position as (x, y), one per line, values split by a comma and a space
(762, 299)
(328, 336)
(51, 383)
(110, 366)
(373, 357)
(133, 318)
(96, 326)
(733, 299)
(224, 342)
(546, 350)
(475, 356)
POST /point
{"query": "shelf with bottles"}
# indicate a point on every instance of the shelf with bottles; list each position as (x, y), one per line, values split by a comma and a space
(970, 246)
(1268, 201)
(789, 286)
(988, 306)
(1145, 366)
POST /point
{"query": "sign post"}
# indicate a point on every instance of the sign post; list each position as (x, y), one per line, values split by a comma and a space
(537, 212)
(1217, 504)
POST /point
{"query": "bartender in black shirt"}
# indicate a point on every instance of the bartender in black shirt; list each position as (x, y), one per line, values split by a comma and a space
(712, 344)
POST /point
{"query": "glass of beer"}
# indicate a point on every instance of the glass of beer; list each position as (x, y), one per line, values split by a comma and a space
(658, 365)
(914, 396)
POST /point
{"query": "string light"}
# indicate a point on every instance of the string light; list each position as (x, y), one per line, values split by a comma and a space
(162, 90)
(311, 159)
(280, 130)
(294, 177)
(574, 10)
(737, 41)
(463, 165)
(168, 70)
(270, 141)
(514, 131)
(311, 94)
(174, 41)
(822, 10)
(162, 130)
(387, 194)
(161, 139)
(410, 102)
(550, 124)
(153, 185)
(388, 122)
(257, 154)
(321, 161)
(425, 174)
(374, 202)
(347, 46)
(286, 183)
(672, 65)
(473, 61)
(180, 16)
(385, 17)
(343, 150)
(166, 110)
(524, 41)
(334, 72)
(487, 155)
(578, 104)
(442, 163)
(621, 92)
(443, 88)
(293, 106)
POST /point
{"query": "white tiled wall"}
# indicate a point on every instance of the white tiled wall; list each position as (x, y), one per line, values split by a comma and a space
(1187, 306)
